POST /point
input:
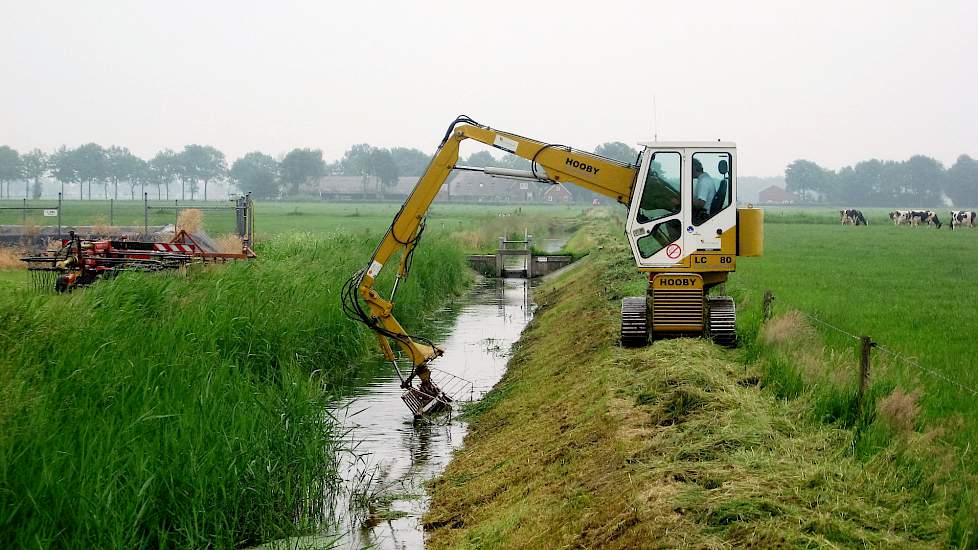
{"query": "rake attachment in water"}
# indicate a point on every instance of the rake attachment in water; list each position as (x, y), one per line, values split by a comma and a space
(437, 394)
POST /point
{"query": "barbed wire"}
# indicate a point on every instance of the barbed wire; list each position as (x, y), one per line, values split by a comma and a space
(934, 373)
(829, 325)
(896, 355)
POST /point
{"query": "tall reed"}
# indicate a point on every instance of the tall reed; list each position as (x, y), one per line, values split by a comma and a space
(187, 410)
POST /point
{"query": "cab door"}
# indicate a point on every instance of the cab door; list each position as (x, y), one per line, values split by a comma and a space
(660, 209)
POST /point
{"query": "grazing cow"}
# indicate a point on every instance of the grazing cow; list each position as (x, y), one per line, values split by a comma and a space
(929, 217)
(900, 217)
(851, 216)
(962, 217)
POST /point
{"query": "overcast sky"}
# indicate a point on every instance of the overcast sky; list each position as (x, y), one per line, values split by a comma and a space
(834, 82)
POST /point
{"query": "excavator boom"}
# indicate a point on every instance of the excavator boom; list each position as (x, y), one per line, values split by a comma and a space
(555, 164)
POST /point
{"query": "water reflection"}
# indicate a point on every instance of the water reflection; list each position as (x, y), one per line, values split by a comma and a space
(399, 455)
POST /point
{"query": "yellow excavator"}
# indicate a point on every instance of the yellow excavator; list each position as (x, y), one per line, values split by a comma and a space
(683, 227)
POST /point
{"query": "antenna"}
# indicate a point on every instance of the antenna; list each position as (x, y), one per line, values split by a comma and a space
(655, 120)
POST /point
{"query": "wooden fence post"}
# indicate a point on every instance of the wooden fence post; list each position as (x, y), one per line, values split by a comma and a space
(768, 302)
(866, 345)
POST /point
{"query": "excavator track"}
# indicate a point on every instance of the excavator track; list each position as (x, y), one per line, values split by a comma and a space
(722, 320)
(634, 322)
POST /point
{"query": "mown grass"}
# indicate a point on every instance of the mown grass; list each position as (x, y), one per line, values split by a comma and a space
(187, 410)
(585, 444)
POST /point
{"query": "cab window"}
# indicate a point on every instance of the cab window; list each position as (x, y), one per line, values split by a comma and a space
(711, 185)
(660, 194)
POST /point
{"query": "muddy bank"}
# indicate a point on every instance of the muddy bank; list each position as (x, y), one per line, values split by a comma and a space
(586, 444)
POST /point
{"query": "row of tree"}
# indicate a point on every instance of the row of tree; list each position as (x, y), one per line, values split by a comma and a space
(198, 166)
(91, 164)
(918, 181)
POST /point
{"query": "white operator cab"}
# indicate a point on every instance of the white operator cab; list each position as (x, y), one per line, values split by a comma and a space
(683, 209)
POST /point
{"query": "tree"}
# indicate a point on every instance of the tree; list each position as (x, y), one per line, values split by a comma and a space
(139, 174)
(617, 150)
(256, 173)
(11, 168)
(64, 168)
(961, 182)
(383, 168)
(198, 163)
(924, 179)
(162, 169)
(91, 166)
(410, 162)
(514, 162)
(807, 179)
(35, 166)
(481, 159)
(301, 166)
(122, 166)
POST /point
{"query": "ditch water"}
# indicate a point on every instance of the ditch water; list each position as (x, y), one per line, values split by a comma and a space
(392, 456)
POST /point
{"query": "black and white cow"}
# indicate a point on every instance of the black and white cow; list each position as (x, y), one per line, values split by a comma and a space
(851, 216)
(900, 217)
(962, 217)
(929, 217)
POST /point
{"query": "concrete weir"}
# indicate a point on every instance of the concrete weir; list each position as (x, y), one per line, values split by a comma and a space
(527, 266)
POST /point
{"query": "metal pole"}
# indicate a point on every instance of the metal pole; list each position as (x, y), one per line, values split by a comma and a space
(176, 215)
(24, 218)
(59, 216)
(145, 214)
(111, 212)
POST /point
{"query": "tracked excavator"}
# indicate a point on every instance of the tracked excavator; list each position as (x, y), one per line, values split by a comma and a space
(683, 227)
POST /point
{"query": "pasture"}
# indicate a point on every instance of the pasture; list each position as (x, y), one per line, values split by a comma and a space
(913, 290)
(273, 217)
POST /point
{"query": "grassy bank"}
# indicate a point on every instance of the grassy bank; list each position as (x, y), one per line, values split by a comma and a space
(187, 411)
(586, 444)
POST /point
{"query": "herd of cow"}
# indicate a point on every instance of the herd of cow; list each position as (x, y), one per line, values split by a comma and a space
(959, 218)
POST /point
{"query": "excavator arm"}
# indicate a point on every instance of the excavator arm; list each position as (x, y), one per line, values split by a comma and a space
(554, 164)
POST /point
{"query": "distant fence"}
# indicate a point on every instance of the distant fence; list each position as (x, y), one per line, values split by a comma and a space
(23, 221)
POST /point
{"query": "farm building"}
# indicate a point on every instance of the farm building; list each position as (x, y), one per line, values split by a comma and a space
(776, 195)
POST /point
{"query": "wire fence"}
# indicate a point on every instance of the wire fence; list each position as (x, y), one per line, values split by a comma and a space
(33, 220)
(866, 344)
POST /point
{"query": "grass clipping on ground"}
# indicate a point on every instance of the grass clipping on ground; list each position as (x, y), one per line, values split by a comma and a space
(588, 445)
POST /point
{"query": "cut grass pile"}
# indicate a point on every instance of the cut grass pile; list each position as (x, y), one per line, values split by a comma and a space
(187, 410)
(585, 444)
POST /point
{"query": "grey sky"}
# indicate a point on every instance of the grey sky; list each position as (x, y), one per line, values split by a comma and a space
(835, 82)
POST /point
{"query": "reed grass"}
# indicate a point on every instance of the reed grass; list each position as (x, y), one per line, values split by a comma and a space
(187, 410)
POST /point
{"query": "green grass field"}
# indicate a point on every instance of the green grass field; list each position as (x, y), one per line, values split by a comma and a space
(187, 410)
(913, 290)
(273, 218)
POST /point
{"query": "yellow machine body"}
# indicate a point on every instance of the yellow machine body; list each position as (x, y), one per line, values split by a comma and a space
(682, 228)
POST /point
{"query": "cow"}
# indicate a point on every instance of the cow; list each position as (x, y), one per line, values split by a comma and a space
(962, 217)
(924, 216)
(851, 216)
(900, 217)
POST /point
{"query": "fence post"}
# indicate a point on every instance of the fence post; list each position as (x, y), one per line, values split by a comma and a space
(145, 214)
(23, 223)
(866, 345)
(112, 212)
(59, 216)
(768, 302)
